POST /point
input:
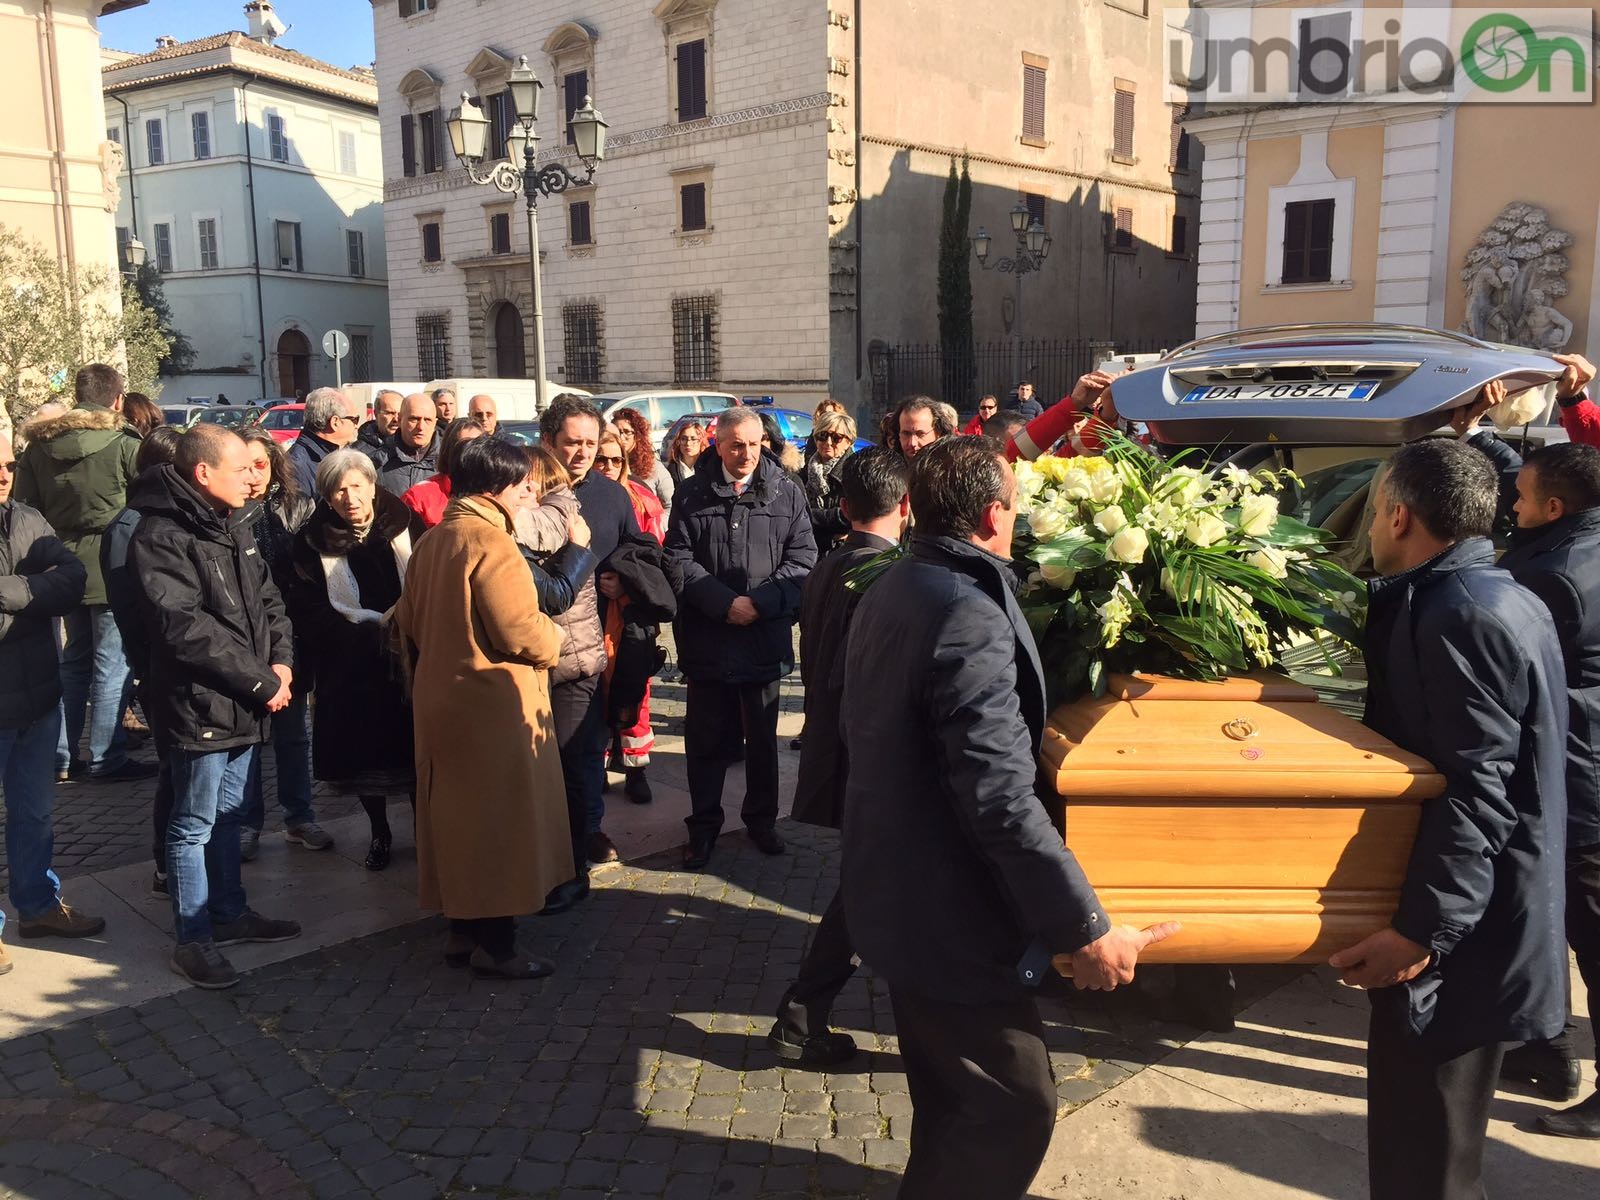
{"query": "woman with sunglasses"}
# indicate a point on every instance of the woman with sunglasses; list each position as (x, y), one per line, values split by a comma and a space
(833, 439)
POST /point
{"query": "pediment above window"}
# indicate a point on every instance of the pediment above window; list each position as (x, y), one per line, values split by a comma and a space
(573, 38)
(490, 66)
(420, 87)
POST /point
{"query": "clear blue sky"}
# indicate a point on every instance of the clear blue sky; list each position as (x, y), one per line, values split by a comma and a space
(338, 31)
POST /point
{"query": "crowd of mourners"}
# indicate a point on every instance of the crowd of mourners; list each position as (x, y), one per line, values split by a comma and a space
(419, 605)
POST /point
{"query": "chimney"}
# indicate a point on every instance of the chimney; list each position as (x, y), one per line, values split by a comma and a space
(166, 42)
(264, 24)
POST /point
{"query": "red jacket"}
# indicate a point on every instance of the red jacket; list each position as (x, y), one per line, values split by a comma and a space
(1049, 428)
(428, 498)
(647, 507)
(973, 427)
(1581, 419)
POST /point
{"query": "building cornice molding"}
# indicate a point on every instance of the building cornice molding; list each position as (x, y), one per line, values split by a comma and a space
(776, 115)
(1242, 124)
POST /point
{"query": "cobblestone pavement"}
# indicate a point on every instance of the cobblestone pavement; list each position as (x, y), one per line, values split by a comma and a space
(638, 1069)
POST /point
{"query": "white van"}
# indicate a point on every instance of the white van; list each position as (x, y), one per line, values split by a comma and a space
(364, 393)
(514, 399)
(663, 406)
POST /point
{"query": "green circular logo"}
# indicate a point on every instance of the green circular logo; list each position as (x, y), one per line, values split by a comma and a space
(1500, 52)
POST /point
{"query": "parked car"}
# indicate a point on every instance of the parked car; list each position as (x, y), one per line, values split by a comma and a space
(662, 407)
(182, 415)
(515, 399)
(526, 432)
(284, 422)
(231, 416)
(794, 424)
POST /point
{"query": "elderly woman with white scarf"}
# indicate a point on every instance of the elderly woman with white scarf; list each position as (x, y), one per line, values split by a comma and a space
(350, 561)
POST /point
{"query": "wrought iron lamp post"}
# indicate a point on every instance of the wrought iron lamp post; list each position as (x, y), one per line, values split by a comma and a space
(469, 135)
(1033, 246)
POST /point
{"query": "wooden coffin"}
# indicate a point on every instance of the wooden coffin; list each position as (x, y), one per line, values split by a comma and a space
(1275, 829)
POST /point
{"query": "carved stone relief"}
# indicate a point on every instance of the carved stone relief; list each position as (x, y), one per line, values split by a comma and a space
(1514, 274)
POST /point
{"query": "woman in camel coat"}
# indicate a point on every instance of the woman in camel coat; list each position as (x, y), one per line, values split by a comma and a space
(492, 837)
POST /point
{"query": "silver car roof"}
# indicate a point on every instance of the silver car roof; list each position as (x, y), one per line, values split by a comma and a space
(1421, 374)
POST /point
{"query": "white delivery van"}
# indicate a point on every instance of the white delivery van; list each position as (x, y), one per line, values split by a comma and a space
(364, 393)
(514, 399)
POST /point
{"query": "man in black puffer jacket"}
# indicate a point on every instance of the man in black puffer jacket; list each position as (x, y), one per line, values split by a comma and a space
(740, 536)
(1555, 554)
(40, 579)
(220, 661)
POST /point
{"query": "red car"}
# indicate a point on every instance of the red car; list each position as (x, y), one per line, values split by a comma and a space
(284, 422)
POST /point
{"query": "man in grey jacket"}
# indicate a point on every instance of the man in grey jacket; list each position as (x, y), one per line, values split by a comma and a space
(40, 579)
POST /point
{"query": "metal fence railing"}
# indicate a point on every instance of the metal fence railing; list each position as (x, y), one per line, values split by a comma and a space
(1053, 365)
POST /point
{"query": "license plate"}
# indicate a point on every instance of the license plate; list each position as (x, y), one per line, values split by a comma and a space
(1246, 393)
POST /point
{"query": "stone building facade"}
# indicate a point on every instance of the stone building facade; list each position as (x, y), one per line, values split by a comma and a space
(769, 205)
(252, 177)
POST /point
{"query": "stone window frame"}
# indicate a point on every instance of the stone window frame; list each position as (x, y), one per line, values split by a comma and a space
(582, 195)
(683, 177)
(197, 219)
(508, 210)
(570, 47)
(1312, 180)
(421, 90)
(490, 72)
(1035, 66)
(688, 21)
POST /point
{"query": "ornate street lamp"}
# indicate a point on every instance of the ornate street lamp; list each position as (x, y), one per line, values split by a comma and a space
(1032, 248)
(133, 257)
(469, 136)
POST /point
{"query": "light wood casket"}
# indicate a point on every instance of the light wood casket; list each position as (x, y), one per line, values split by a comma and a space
(1274, 828)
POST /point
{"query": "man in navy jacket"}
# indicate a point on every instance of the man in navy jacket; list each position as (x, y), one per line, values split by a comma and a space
(957, 887)
(1465, 671)
(1555, 553)
(740, 534)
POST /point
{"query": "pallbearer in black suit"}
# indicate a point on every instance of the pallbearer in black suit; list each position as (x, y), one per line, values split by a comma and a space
(956, 884)
(876, 504)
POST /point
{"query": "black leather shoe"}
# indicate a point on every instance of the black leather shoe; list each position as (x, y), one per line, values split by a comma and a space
(569, 895)
(637, 787)
(1579, 1121)
(818, 1051)
(697, 853)
(1552, 1074)
(766, 840)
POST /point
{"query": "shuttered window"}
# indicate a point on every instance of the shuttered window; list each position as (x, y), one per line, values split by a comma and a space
(1308, 241)
(693, 203)
(430, 131)
(579, 232)
(1179, 157)
(432, 243)
(1035, 209)
(500, 233)
(1180, 234)
(691, 63)
(408, 145)
(574, 91)
(1033, 103)
(200, 129)
(501, 115)
(1122, 237)
(1122, 126)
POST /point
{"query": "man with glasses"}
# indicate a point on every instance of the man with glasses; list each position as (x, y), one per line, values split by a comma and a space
(331, 424)
(40, 579)
(988, 406)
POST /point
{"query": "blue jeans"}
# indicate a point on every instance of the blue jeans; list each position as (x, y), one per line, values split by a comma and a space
(203, 839)
(28, 776)
(291, 749)
(94, 674)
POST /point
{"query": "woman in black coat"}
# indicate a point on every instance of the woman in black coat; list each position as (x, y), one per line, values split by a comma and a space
(833, 438)
(349, 563)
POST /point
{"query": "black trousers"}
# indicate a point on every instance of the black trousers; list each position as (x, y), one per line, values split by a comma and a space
(827, 967)
(1427, 1112)
(497, 935)
(575, 710)
(715, 709)
(983, 1103)
(1583, 935)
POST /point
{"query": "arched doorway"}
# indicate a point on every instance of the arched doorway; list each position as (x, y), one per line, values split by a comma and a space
(508, 352)
(294, 363)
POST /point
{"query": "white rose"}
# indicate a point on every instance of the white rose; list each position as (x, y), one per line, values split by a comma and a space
(1183, 485)
(1111, 521)
(1105, 487)
(1129, 545)
(1076, 484)
(1257, 515)
(1048, 521)
(1169, 585)
(1272, 562)
(1058, 577)
(1205, 529)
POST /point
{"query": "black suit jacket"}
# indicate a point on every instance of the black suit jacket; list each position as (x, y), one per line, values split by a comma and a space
(952, 867)
(1465, 671)
(826, 607)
